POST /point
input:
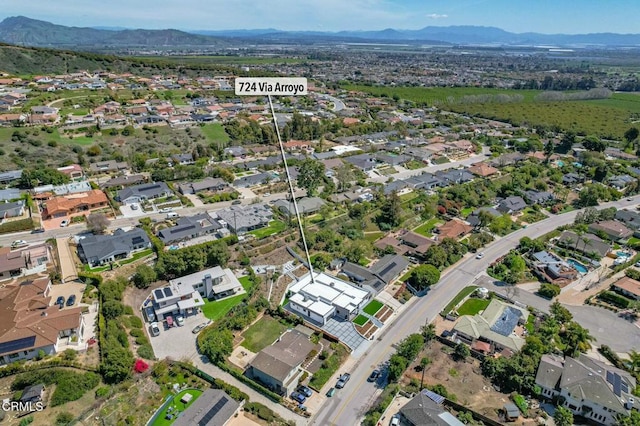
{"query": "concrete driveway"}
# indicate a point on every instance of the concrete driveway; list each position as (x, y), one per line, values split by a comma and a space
(177, 342)
(66, 290)
(128, 211)
(67, 264)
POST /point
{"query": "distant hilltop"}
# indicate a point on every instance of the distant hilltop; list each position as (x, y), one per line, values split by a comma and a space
(31, 32)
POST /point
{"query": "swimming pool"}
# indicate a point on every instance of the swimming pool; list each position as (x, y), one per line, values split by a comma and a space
(578, 266)
(623, 254)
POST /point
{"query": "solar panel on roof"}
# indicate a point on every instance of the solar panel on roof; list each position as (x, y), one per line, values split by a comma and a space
(158, 293)
(388, 268)
(507, 321)
(438, 399)
(617, 388)
(18, 344)
(168, 292)
(213, 411)
(610, 377)
(137, 240)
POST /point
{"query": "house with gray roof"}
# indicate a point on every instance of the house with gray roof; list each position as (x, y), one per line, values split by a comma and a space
(11, 209)
(206, 184)
(252, 180)
(584, 243)
(279, 366)
(146, 191)
(188, 228)
(182, 159)
(474, 218)
(572, 179)
(452, 177)
(124, 181)
(510, 205)
(10, 194)
(97, 250)
(213, 408)
(613, 229)
(538, 197)
(630, 218)
(395, 186)
(306, 205)
(109, 166)
(588, 387)
(365, 162)
(426, 409)
(10, 176)
(393, 160)
(235, 151)
(242, 219)
(376, 277)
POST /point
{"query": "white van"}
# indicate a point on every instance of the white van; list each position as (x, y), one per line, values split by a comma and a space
(172, 215)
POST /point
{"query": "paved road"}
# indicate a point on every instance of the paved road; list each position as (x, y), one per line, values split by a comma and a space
(338, 105)
(432, 169)
(349, 404)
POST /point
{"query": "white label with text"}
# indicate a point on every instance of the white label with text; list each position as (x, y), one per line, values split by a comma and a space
(277, 86)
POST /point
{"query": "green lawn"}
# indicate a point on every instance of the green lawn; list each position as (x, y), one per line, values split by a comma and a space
(466, 212)
(275, 226)
(426, 228)
(373, 236)
(262, 334)
(217, 309)
(373, 307)
(214, 132)
(360, 320)
(473, 306)
(246, 282)
(463, 293)
(178, 407)
(406, 276)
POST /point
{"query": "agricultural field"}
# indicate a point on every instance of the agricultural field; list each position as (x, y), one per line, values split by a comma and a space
(608, 118)
(227, 60)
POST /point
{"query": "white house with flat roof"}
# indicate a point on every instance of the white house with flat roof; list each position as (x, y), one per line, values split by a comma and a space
(185, 294)
(326, 296)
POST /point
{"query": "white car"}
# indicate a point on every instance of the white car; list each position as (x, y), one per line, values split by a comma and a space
(19, 243)
(180, 320)
(155, 330)
(64, 223)
(480, 255)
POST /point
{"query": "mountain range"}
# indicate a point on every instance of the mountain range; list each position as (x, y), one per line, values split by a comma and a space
(26, 31)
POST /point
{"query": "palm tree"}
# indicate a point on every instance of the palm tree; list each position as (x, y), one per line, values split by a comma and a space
(576, 339)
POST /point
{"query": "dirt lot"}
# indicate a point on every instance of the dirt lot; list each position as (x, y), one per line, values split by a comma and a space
(464, 379)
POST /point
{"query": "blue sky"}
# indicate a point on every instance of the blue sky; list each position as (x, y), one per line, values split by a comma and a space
(544, 16)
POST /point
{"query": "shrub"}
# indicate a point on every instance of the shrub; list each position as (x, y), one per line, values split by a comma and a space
(262, 411)
(70, 385)
(64, 418)
(16, 226)
(615, 299)
(549, 291)
(26, 421)
(135, 321)
(146, 352)
(103, 391)
(136, 332)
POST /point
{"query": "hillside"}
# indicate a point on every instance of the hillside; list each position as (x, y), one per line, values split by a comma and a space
(34, 60)
(32, 32)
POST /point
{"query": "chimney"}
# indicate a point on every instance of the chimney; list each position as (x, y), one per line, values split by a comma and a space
(208, 282)
(629, 404)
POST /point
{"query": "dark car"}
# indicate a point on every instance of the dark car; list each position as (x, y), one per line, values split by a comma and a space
(342, 380)
(60, 301)
(37, 231)
(236, 202)
(71, 300)
(305, 391)
(298, 397)
(375, 374)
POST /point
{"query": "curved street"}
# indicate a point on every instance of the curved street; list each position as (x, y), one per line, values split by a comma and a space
(346, 407)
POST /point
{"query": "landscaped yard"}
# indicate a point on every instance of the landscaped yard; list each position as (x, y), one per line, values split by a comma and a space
(215, 309)
(360, 320)
(373, 307)
(262, 334)
(275, 226)
(463, 293)
(426, 228)
(473, 306)
(178, 407)
(466, 211)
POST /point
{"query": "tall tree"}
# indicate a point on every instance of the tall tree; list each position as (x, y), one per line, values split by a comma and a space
(390, 212)
(424, 276)
(563, 417)
(97, 222)
(310, 175)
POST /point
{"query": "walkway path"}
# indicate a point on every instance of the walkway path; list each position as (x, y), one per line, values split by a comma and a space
(67, 265)
(254, 396)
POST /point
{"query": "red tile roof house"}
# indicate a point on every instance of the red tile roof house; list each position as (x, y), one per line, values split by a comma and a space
(627, 286)
(75, 203)
(74, 171)
(297, 146)
(29, 324)
(453, 229)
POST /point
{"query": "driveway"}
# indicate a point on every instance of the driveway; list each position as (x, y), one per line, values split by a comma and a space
(128, 211)
(65, 290)
(67, 264)
(619, 334)
(177, 342)
(345, 331)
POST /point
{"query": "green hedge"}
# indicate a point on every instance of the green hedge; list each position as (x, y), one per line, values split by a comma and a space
(521, 402)
(16, 226)
(328, 368)
(232, 391)
(247, 381)
(70, 385)
(615, 299)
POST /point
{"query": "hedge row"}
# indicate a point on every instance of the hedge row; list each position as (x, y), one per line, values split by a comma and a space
(232, 391)
(247, 381)
(16, 226)
(615, 299)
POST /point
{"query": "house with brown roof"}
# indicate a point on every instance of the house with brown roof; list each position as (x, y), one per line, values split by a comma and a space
(297, 145)
(416, 243)
(14, 263)
(628, 287)
(612, 229)
(75, 203)
(278, 366)
(74, 171)
(29, 324)
(453, 229)
(483, 170)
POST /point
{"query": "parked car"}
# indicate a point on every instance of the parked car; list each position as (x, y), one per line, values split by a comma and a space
(155, 330)
(60, 301)
(236, 202)
(342, 380)
(71, 300)
(305, 391)
(169, 321)
(180, 320)
(198, 328)
(172, 215)
(64, 223)
(297, 396)
(395, 420)
(480, 255)
(37, 231)
(150, 314)
(330, 392)
(375, 374)
(19, 243)
(134, 207)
